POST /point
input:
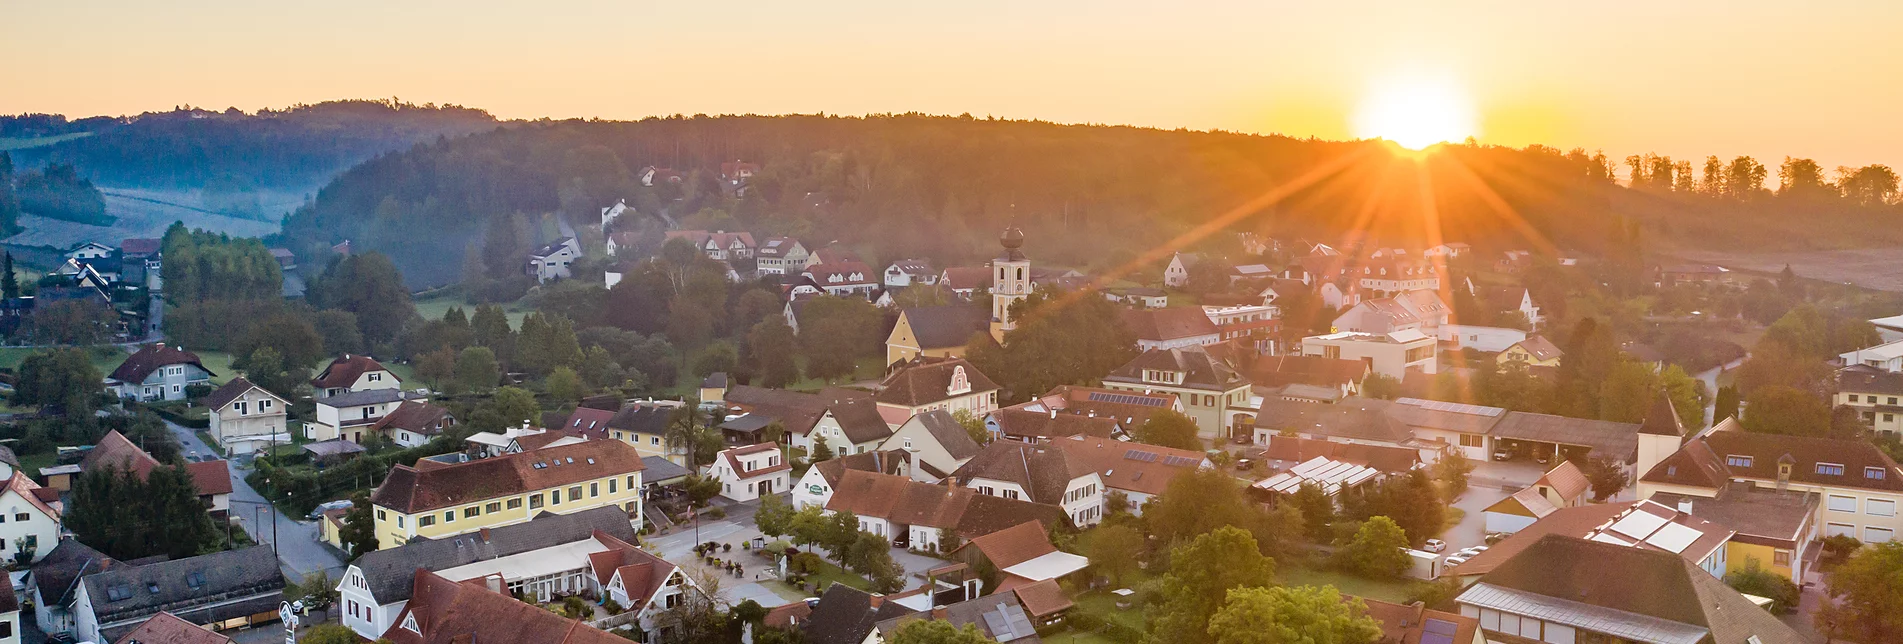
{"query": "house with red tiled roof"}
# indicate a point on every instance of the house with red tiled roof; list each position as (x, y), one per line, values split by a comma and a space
(1417, 624)
(1036, 473)
(350, 373)
(966, 280)
(441, 611)
(246, 418)
(918, 515)
(414, 422)
(1138, 471)
(437, 500)
(747, 473)
(33, 528)
(924, 384)
(1171, 328)
(211, 478)
(844, 278)
(157, 372)
(1022, 554)
(166, 628)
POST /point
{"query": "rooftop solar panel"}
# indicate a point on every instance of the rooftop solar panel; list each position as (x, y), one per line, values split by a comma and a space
(1125, 399)
(1440, 627)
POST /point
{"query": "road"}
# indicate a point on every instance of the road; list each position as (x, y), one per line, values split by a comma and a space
(300, 554)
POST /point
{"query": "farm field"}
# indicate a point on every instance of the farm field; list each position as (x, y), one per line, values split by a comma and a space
(1872, 268)
(22, 143)
(136, 218)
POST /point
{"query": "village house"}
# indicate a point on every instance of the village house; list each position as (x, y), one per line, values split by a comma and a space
(89, 250)
(849, 423)
(934, 331)
(937, 444)
(1251, 325)
(1447, 251)
(246, 418)
(920, 516)
(1129, 409)
(1024, 425)
(844, 279)
(166, 628)
(353, 415)
(157, 372)
(748, 473)
(1383, 315)
(1515, 300)
(1343, 377)
(1535, 351)
(413, 423)
(908, 272)
(551, 555)
(1039, 474)
(1138, 296)
(434, 500)
(552, 262)
(965, 280)
(1176, 272)
(31, 526)
(924, 384)
(211, 478)
(1883, 357)
(1565, 486)
(718, 245)
(351, 373)
(1171, 328)
(1774, 529)
(441, 611)
(1569, 589)
(1388, 272)
(1391, 354)
(1417, 624)
(1136, 471)
(999, 617)
(52, 584)
(1873, 393)
(815, 488)
(1486, 339)
(1204, 378)
(642, 425)
(780, 256)
(229, 589)
(1860, 485)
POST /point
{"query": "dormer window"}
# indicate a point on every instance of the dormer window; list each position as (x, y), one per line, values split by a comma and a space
(1830, 469)
(959, 383)
(1735, 460)
(1873, 473)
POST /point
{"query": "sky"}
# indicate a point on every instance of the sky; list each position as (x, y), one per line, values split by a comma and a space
(1685, 78)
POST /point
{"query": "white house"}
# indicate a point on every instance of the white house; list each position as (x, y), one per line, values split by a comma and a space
(1176, 273)
(935, 441)
(1036, 473)
(747, 473)
(350, 373)
(907, 272)
(1887, 356)
(1390, 354)
(32, 522)
(552, 261)
(246, 417)
(90, 250)
(354, 415)
(1491, 339)
(157, 372)
(816, 487)
(611, 213)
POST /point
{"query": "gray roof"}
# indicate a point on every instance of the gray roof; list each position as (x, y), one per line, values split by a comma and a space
(1456, 417)
(999, 615)
(949, 434)
(186, 587)
(333, 447)
(658, 470)
(55, 573)
(367, 397)
(391, 571)
(1760, 515)
(1610, 621)
(1353, 418)
(846, 615)
(1201, 369)
(938, 327)
(1605, 437)
(748, 423)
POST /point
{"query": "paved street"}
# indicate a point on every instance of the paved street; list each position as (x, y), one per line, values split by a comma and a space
(299, 551)
(1490, 482)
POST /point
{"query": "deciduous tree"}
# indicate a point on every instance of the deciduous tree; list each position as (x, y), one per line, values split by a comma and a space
(1377, 550)
(1168, 428)
(1293, 615)
(1201, 574)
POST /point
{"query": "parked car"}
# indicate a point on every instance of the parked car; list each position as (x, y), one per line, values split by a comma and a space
(1454, 560)
(1502, 454)
(1434, 545)
(1470, 552)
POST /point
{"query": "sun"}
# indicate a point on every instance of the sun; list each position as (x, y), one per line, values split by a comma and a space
(1415, 112)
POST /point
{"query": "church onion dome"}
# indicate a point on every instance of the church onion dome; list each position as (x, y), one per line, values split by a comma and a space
(1012, 240)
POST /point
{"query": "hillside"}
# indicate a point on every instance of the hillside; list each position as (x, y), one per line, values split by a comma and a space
(940, 187)
(224, 161)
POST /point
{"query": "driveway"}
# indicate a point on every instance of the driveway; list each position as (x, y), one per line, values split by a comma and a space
(299, 552)
(1472, 529)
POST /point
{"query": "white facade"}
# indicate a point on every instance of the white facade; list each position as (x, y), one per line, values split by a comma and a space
(250, 422)
(1491, 339)
(1176, 274)
(1083, 496)
(1390, 354)
(759, 473)
(553, 262)
(812, 490)
(1888, 357)
(27, 527)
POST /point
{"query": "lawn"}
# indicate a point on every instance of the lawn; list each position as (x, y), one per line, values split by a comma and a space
(1398, 591)
(435, 305)
(1073, 636)
(827, 575)
(105, 359)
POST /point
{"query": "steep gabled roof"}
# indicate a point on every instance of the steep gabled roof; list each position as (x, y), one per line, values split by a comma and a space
(420, 417)
(389, 571)
(1727, 452)
(447, 612)
(1541, 348)
(892, 461)
(57, 574)
(1130, 466)
(166, 628)
(1308, 370)
(149, 358)
(1567, 480)
(410, 490)
(1044, 472)
(1025, 423)
(1201, 366)
(1014, 545)
(1662, 418)
(232, 391)
(344, 371)
(941, 327)
(925, 381)
(1164, 325)
(949, 434)
(846, 615)
(859, 419)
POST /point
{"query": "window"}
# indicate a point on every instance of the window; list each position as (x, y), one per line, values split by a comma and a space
(630, 481)
(1892, 400)
(594, 490)
(611, 486)
(425, 521)
(515, 503)
(1011, 494)
(375, 377)
(471, 512)
(1841, 503)
(1874, 473)
(493, 508)
(1735, 460)
(240, 406)
(554, 497)
(1473, 440)
(449, 516)
(1830, 469)
(654, 440)
(1879, 507)
(1873, 534)
(574, 494)
(986, 490)
(22, 517)
(535, 501)
(399, 520)
(1781, 558)
(1839, 529)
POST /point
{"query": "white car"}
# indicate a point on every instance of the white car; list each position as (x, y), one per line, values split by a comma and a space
(1470, 552)
(1434, 545)
(1455, 560)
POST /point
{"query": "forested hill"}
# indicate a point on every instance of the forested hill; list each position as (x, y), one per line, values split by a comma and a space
(1088, 196)
(296, 148)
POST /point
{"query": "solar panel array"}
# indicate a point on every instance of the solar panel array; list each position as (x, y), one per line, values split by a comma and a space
(1438, 631)
(1140, 455)
(1457, 408)
(1126, 399)
(1180, 461)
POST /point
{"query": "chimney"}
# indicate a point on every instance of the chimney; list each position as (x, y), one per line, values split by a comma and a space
(484, 533)
(1685, 506)
(494, 582)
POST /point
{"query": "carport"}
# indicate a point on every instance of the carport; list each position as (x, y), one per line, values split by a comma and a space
(1560, 436)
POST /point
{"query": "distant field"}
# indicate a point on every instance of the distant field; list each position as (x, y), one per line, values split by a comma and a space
(15, 143)
(1872, 268)
(137, 217)
(103, 358)
(434, 306)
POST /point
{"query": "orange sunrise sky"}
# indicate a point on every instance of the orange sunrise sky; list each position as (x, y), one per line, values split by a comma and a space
(1686, 79)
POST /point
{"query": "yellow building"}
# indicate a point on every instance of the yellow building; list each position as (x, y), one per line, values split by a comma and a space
(1875, 394)
(330, 527)
(1212, 390)
(1536, 351)
(1774, 527)
(934, 332)
(437, 500)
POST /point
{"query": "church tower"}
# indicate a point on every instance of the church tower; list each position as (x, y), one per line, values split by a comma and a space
(1010, 281)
